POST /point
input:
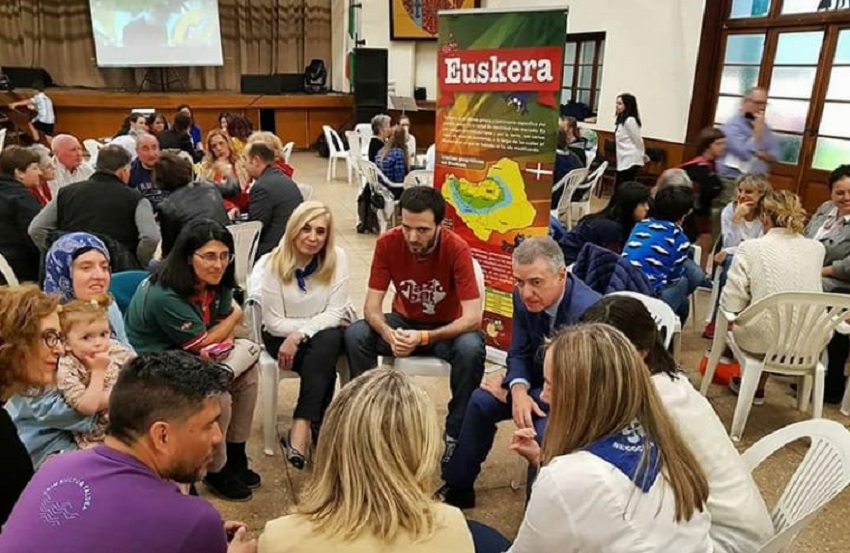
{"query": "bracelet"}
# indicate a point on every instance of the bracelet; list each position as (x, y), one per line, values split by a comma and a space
(425, 337)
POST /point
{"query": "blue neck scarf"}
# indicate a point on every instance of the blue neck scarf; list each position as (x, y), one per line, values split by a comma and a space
(625, 450)
(60, 257)
(302, 274)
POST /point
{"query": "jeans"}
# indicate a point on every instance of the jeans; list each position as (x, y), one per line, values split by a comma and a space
(465, 353)
(722, 274)
(487, 539)
(678, 292)
(477, 435)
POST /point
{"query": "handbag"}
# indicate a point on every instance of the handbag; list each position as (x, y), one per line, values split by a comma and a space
(244, 355)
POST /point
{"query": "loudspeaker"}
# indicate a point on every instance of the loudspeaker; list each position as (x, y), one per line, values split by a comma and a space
(27, 77)
(371, 74)
(261, 84)
(291, 82)
(420, 94)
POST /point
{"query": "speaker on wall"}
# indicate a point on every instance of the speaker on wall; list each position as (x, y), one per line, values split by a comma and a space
(371, 74)
(27, 77)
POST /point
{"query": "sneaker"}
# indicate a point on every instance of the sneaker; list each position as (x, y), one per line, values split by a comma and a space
(708, 331)
(462, 499)
(449, 448)
(227, 485)
(735, 388)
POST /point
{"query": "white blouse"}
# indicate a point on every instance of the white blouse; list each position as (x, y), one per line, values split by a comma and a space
(630, 148)
(288, 309)
(582, 504)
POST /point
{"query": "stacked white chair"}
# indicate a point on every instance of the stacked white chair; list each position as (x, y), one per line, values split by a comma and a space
(336, 151)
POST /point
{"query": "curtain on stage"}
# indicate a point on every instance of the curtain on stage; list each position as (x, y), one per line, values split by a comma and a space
(257, 37)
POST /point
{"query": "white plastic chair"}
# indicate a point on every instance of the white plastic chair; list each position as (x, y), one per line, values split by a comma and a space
(667, 321)
(287, 151)
(7, 272)
(355, 145)
(365, 131)
(570, 183)
(419, 177)
(424, 365)
(2, 138)
(92, 146)
(380, 184)
(246, 237)
(337, 151)
(823, 473)
(797, 327)
(306, 191)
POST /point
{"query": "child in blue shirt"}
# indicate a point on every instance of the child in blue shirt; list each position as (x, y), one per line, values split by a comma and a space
(659, 248)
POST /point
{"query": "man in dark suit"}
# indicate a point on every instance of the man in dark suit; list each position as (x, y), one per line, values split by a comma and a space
(546, 297)
(273, 197)
(103, 205)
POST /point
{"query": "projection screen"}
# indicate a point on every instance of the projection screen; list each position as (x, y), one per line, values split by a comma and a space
(156, 33)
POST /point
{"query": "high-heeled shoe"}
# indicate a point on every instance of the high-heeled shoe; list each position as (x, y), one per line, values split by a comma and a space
(293, 456)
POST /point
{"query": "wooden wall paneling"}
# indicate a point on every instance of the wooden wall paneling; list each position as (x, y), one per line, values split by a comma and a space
(291, 125)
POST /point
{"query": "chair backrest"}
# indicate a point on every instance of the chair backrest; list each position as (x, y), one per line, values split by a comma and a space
(419, 177)
(335, 144)
(253, 316)
(374, 177)
(365, 131)
(597, 175)
(287, 151)
(7, 272)
(355, 144)
(306, 191)
(246, 237)
(571, 182)
(823, 473)
(92, 146)
(123, 285)
(798, 326)
(2, 138)
(661, 313)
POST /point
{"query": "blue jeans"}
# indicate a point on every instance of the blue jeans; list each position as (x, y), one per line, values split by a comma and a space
(678, 292)
(723, 272)
(487, 539)
(465, 354)
(477, 435)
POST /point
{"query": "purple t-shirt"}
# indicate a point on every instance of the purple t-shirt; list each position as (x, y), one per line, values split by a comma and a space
(102, 501)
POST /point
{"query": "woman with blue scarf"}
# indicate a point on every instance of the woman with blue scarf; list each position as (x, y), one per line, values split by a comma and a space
(304, 288)
(617, 476)
(76, 267)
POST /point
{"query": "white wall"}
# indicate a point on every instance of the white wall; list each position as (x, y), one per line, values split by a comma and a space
(651, 50)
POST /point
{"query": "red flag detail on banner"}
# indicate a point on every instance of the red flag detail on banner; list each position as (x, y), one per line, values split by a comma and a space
(501, 70)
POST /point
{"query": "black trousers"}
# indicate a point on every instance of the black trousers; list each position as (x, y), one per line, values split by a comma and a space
(626, 175)
(315, 363)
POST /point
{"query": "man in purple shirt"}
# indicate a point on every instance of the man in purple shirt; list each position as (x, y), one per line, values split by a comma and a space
(121, 496)
(750, 144)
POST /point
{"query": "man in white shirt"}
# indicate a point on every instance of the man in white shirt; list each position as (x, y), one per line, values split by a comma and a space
(70, 165)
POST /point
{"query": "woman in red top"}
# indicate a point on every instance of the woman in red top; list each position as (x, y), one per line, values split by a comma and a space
(223, 168)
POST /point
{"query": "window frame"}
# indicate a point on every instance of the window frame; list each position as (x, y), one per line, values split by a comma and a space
(578, 39)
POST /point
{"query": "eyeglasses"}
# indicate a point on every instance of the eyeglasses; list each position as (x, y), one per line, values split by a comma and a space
(52, 339)
(210, 258)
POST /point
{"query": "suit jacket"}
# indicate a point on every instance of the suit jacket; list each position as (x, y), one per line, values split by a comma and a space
(273, 198)
(525, 357)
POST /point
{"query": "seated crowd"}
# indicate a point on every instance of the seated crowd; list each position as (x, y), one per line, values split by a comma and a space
(114, 412)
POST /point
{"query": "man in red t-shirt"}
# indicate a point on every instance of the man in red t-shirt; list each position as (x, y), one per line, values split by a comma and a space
(437, 306)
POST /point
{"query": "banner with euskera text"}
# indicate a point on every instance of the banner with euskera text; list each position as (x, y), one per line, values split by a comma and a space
(499, 86)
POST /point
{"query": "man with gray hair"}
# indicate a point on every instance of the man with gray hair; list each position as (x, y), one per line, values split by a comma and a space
(104, 206)
(70, 165)
(546, 296)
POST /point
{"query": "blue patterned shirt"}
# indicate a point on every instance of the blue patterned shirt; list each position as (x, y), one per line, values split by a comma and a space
(659, 249)
(392, 165)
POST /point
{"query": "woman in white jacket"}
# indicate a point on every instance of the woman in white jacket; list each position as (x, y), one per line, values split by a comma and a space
(617, 476)
(305, 306)
(631, 153)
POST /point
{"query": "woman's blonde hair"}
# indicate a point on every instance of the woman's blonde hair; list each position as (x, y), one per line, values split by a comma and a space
(759, 183)
(377, 454)
(599, 386)
(783, 209)
(84, 311)
(269, 139)
(284, 258)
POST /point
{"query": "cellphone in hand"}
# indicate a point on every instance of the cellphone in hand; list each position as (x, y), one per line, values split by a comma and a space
(218, 350)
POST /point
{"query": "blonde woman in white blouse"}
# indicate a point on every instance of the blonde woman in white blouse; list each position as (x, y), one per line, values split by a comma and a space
(305, 307)
(631, 153)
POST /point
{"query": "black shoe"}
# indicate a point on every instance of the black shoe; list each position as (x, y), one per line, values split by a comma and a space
(237, 463)
(293, 456)
(227, 485)
(462, 499)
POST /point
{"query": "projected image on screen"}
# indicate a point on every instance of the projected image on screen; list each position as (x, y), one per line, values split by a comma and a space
(152, 33)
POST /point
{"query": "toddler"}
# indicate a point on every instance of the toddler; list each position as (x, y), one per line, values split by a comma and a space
(91, 363)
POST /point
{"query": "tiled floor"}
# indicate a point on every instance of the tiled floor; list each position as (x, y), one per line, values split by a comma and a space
(498, 505)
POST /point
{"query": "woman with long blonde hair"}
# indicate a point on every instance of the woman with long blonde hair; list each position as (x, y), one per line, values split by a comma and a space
(222, 167)
(617, 476)
(371, 485)
(306, 304)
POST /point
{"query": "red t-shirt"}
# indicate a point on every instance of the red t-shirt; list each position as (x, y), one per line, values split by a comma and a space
(429, 288)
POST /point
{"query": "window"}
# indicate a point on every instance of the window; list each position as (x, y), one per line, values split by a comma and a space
(749, 8)
(810, 6)
(833, 141)
(583, 69)
(740, 72)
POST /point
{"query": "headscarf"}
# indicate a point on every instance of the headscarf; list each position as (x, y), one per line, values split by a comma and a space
(60, 257)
